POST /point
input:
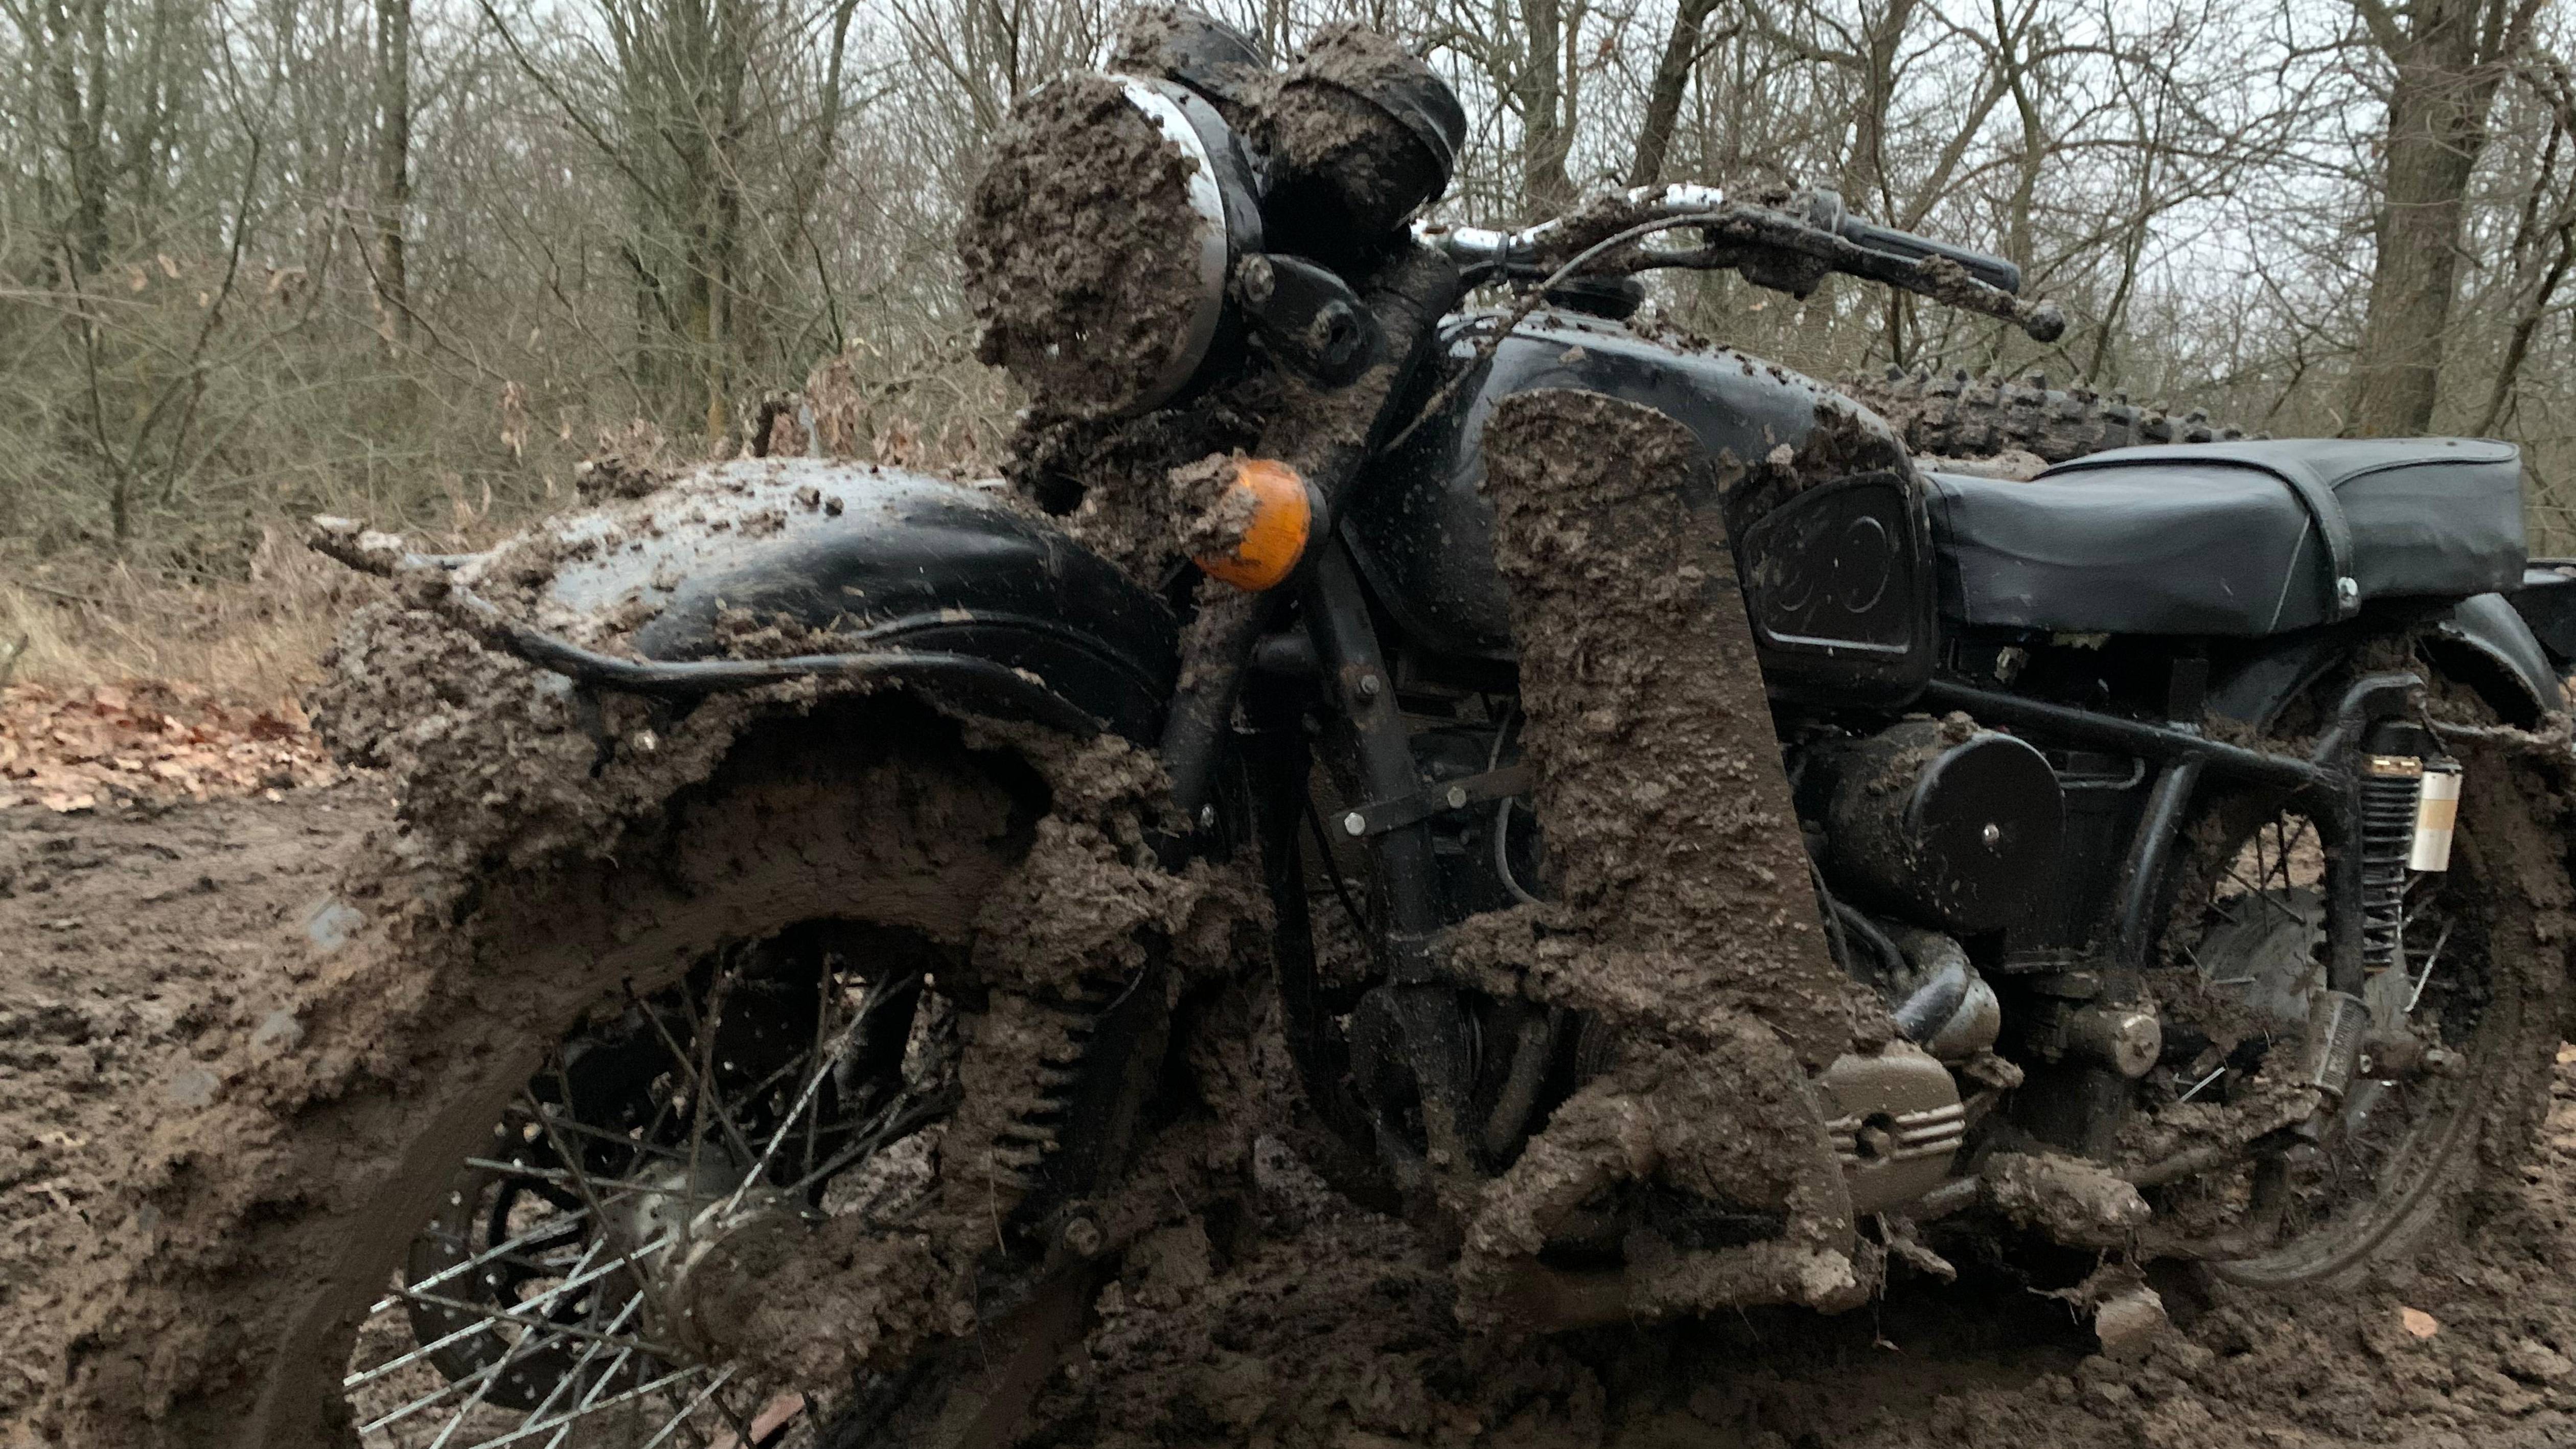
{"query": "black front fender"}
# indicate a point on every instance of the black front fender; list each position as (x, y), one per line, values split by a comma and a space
(803, 558)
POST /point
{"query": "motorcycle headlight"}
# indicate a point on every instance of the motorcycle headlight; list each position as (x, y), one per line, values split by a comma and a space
(1099, 240)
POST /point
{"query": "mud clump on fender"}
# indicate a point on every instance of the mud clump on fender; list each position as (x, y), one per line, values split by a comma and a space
(547, 848)
(1683, 914)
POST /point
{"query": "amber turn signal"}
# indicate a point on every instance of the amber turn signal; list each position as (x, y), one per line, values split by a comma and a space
(1275, 538)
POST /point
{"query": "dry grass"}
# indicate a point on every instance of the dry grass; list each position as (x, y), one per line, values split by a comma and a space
(72, 622)
(224, 597)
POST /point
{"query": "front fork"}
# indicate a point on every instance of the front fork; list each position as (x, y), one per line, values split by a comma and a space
(1339, 653)
(1432, 1013)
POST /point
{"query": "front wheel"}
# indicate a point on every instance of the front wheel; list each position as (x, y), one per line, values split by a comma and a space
(2463, 1004)
(529, 1117)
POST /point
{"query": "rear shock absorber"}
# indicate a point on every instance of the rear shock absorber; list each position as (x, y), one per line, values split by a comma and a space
(2392, 789)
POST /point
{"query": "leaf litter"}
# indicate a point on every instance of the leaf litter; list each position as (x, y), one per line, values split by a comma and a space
(150, 743)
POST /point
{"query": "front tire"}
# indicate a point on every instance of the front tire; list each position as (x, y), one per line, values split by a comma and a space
(243, 1283)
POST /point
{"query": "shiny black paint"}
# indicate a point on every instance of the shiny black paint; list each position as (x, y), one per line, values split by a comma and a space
(879, 559)
(1839, 578)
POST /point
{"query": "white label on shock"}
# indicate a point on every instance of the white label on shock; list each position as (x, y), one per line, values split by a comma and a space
(2437, 811)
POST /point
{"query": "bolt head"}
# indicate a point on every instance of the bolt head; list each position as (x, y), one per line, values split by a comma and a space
(1207, 817)
(1992, 835)
(1081, 1237)
(1371, 686)
(1457, 796)
(1355, 823)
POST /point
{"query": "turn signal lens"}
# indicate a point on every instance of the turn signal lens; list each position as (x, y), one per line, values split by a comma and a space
(1275, 539)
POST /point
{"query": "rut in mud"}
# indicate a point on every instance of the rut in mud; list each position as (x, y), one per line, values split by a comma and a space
(149, 950)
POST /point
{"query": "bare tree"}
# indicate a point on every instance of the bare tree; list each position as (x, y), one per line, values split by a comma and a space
(2446, 59)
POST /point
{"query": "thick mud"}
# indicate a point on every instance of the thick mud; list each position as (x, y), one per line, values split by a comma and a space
(144, 946)
(1329, 136)
(1080, 250)
(1682, 911)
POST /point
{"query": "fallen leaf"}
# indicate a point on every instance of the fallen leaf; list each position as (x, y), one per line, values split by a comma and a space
(2418, 1322)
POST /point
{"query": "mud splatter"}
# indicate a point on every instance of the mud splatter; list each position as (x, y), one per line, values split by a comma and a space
(1080, 250)
(1683, 914)
(1337, 146)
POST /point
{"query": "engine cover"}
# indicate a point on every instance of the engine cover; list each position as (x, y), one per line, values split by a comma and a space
(1958, 832)
(1897, 1124)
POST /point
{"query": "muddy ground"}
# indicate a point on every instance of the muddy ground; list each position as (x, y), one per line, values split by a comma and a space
(134, 945)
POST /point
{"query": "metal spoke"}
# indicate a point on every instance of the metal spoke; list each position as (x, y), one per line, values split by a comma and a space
(723, 1377)
(493, 1316)
(590, 1396)
(583, 1129)
(2203, 1082)
(570, 1330)
(823, 982)
(485, 1373)
(2266, 897)
(831, 1059)
(530, 1431)
(700, 1093)
(582, 1184)
(487, 1255)
(877, 1136)
(563, 1174)
(508, 1357)
(2431, 959)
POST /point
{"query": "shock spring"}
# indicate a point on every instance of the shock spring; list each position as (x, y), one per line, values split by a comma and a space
(2390, 786)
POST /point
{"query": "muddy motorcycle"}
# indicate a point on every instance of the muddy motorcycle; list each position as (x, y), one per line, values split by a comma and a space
(1704, 852)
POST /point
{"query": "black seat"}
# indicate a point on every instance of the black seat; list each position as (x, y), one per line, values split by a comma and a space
(2230, 538)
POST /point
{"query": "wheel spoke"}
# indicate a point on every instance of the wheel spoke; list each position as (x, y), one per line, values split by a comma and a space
(518, 1315)
(531, 1430)
(822, 1073)
(912, 1119)
(486, 1256)
(540, 1323)
(700, 1093)
(590, 1395)
(696, 1403)
(486, 1374)
(564, 1175)
(582, 1184)
(2266, 897)
(2432, 959)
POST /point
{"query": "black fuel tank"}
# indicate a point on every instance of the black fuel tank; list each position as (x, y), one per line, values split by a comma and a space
(1837, 577)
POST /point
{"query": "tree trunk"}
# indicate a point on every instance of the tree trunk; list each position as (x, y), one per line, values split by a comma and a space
(1664, 98)
(1546, 190)
(2447, 66)
(393, 167)
(70, 38)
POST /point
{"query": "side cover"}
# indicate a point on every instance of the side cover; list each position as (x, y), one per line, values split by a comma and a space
(1837, 578)
(786, 557)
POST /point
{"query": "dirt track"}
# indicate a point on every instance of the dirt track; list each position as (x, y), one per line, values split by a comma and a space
(130, 947)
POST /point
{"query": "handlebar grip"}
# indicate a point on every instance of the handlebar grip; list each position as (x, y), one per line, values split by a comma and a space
(1992, 270)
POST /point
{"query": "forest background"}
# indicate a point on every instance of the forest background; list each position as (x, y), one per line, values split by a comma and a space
(411, 260)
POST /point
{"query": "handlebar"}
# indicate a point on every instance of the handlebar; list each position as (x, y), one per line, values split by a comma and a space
(1994, 271)
(1791, 247)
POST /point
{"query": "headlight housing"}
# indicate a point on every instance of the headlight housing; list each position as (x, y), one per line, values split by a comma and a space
(1100, 238)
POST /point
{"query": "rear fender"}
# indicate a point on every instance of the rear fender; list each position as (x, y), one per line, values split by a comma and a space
(2489, 645)
(804, 557)
(2482, 641)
